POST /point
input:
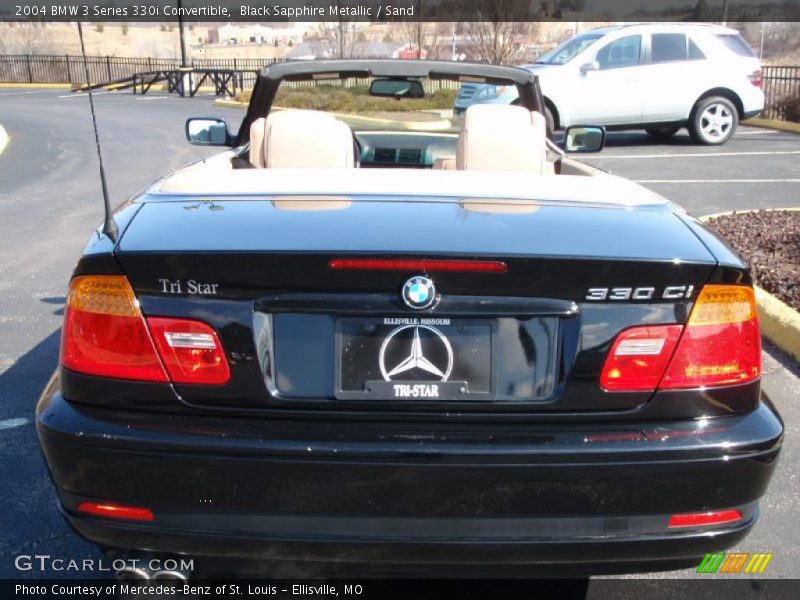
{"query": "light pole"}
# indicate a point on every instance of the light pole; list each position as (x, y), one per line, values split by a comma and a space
(180, 32)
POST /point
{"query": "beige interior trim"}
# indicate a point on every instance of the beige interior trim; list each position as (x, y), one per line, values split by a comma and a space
(311, 203)
(500, 206)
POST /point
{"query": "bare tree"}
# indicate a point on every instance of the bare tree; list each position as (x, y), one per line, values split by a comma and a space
(494, 38)
(341, 34)
(424, 35)
(27, 38)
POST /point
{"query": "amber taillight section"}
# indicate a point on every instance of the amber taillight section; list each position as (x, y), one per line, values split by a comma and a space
(104, 333)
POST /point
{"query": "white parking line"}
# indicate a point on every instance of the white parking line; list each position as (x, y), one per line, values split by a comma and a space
(12, 423)
(82, 94)
(695, 155)
(754, 131)
(717, 180)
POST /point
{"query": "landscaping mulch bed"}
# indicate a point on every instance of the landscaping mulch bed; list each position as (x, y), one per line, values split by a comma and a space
(768, 241)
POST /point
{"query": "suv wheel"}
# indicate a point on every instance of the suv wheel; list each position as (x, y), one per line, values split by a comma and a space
(663, 133)
(713, 121)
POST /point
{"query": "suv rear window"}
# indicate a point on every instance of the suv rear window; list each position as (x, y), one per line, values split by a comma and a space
(736, 44)
(667, 47)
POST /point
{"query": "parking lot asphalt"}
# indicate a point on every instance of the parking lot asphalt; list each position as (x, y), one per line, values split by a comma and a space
(758, 168)
(50, 201)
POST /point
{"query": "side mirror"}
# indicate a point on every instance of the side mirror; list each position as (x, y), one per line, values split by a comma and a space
(397, 88)
(585, 138)
(207, 131)
(590, 66)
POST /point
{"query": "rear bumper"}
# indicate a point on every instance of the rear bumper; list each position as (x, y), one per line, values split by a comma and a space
(382, 498)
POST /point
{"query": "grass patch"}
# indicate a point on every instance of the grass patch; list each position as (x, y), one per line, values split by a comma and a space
(334, 98)
(773, 124)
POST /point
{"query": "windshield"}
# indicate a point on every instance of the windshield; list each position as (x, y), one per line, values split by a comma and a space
(349, 100)
(566, 51)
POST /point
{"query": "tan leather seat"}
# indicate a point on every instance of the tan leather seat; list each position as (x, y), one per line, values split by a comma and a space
(498, 137)
(308, 139)
(445, 164)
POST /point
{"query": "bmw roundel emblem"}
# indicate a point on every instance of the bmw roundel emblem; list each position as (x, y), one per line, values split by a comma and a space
(419, 293)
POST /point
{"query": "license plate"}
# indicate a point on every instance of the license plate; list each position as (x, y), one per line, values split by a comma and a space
(414, 358)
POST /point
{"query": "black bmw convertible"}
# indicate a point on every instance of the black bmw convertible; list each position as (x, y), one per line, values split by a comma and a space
(388, 340)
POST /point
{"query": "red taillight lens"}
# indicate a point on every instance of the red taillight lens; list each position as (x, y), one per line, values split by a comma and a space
(721, 344)
(116, 511)
(638, 358)
(755, 78)
(191, 351)
(717, 517)
(104, 333)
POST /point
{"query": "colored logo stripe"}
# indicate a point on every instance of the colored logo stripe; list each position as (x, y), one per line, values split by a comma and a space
(735, 562)
(711, 563)
(758, 562)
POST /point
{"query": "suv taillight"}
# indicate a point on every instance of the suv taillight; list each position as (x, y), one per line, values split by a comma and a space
(719, 345)
(755, 78)
(106, 335)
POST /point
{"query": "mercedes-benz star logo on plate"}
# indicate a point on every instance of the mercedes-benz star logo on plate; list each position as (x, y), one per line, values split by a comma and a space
(419, 293)
(416, 356)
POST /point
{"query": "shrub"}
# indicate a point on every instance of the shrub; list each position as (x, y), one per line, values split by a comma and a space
(333, 98)
(788, 108)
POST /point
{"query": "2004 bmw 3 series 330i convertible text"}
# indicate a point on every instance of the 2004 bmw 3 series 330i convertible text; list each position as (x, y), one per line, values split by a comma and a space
(375, 340)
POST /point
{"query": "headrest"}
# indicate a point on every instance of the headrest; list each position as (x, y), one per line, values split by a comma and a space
(296, 138)
(497, 137)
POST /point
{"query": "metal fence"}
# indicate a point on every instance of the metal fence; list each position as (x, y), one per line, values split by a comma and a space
(32, 68)
(27, 68)
(780, 84)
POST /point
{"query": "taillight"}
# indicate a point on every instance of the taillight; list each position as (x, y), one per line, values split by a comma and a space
(191, 351)
(755, 78)
(104, 333)
(719, 345)
(638, 358)
(413, 264)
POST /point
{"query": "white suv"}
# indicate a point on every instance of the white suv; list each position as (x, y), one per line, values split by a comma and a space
(658, 77)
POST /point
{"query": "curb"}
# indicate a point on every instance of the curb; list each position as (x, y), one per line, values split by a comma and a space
(4, 139)
(230, 104)
(779, 322)
(772, 124)
(36, 86)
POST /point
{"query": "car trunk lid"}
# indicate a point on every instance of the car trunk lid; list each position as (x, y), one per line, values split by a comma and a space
(531, 338)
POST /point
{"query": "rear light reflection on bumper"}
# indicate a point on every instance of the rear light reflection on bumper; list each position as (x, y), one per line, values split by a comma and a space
(719, 517)
(116, 511)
